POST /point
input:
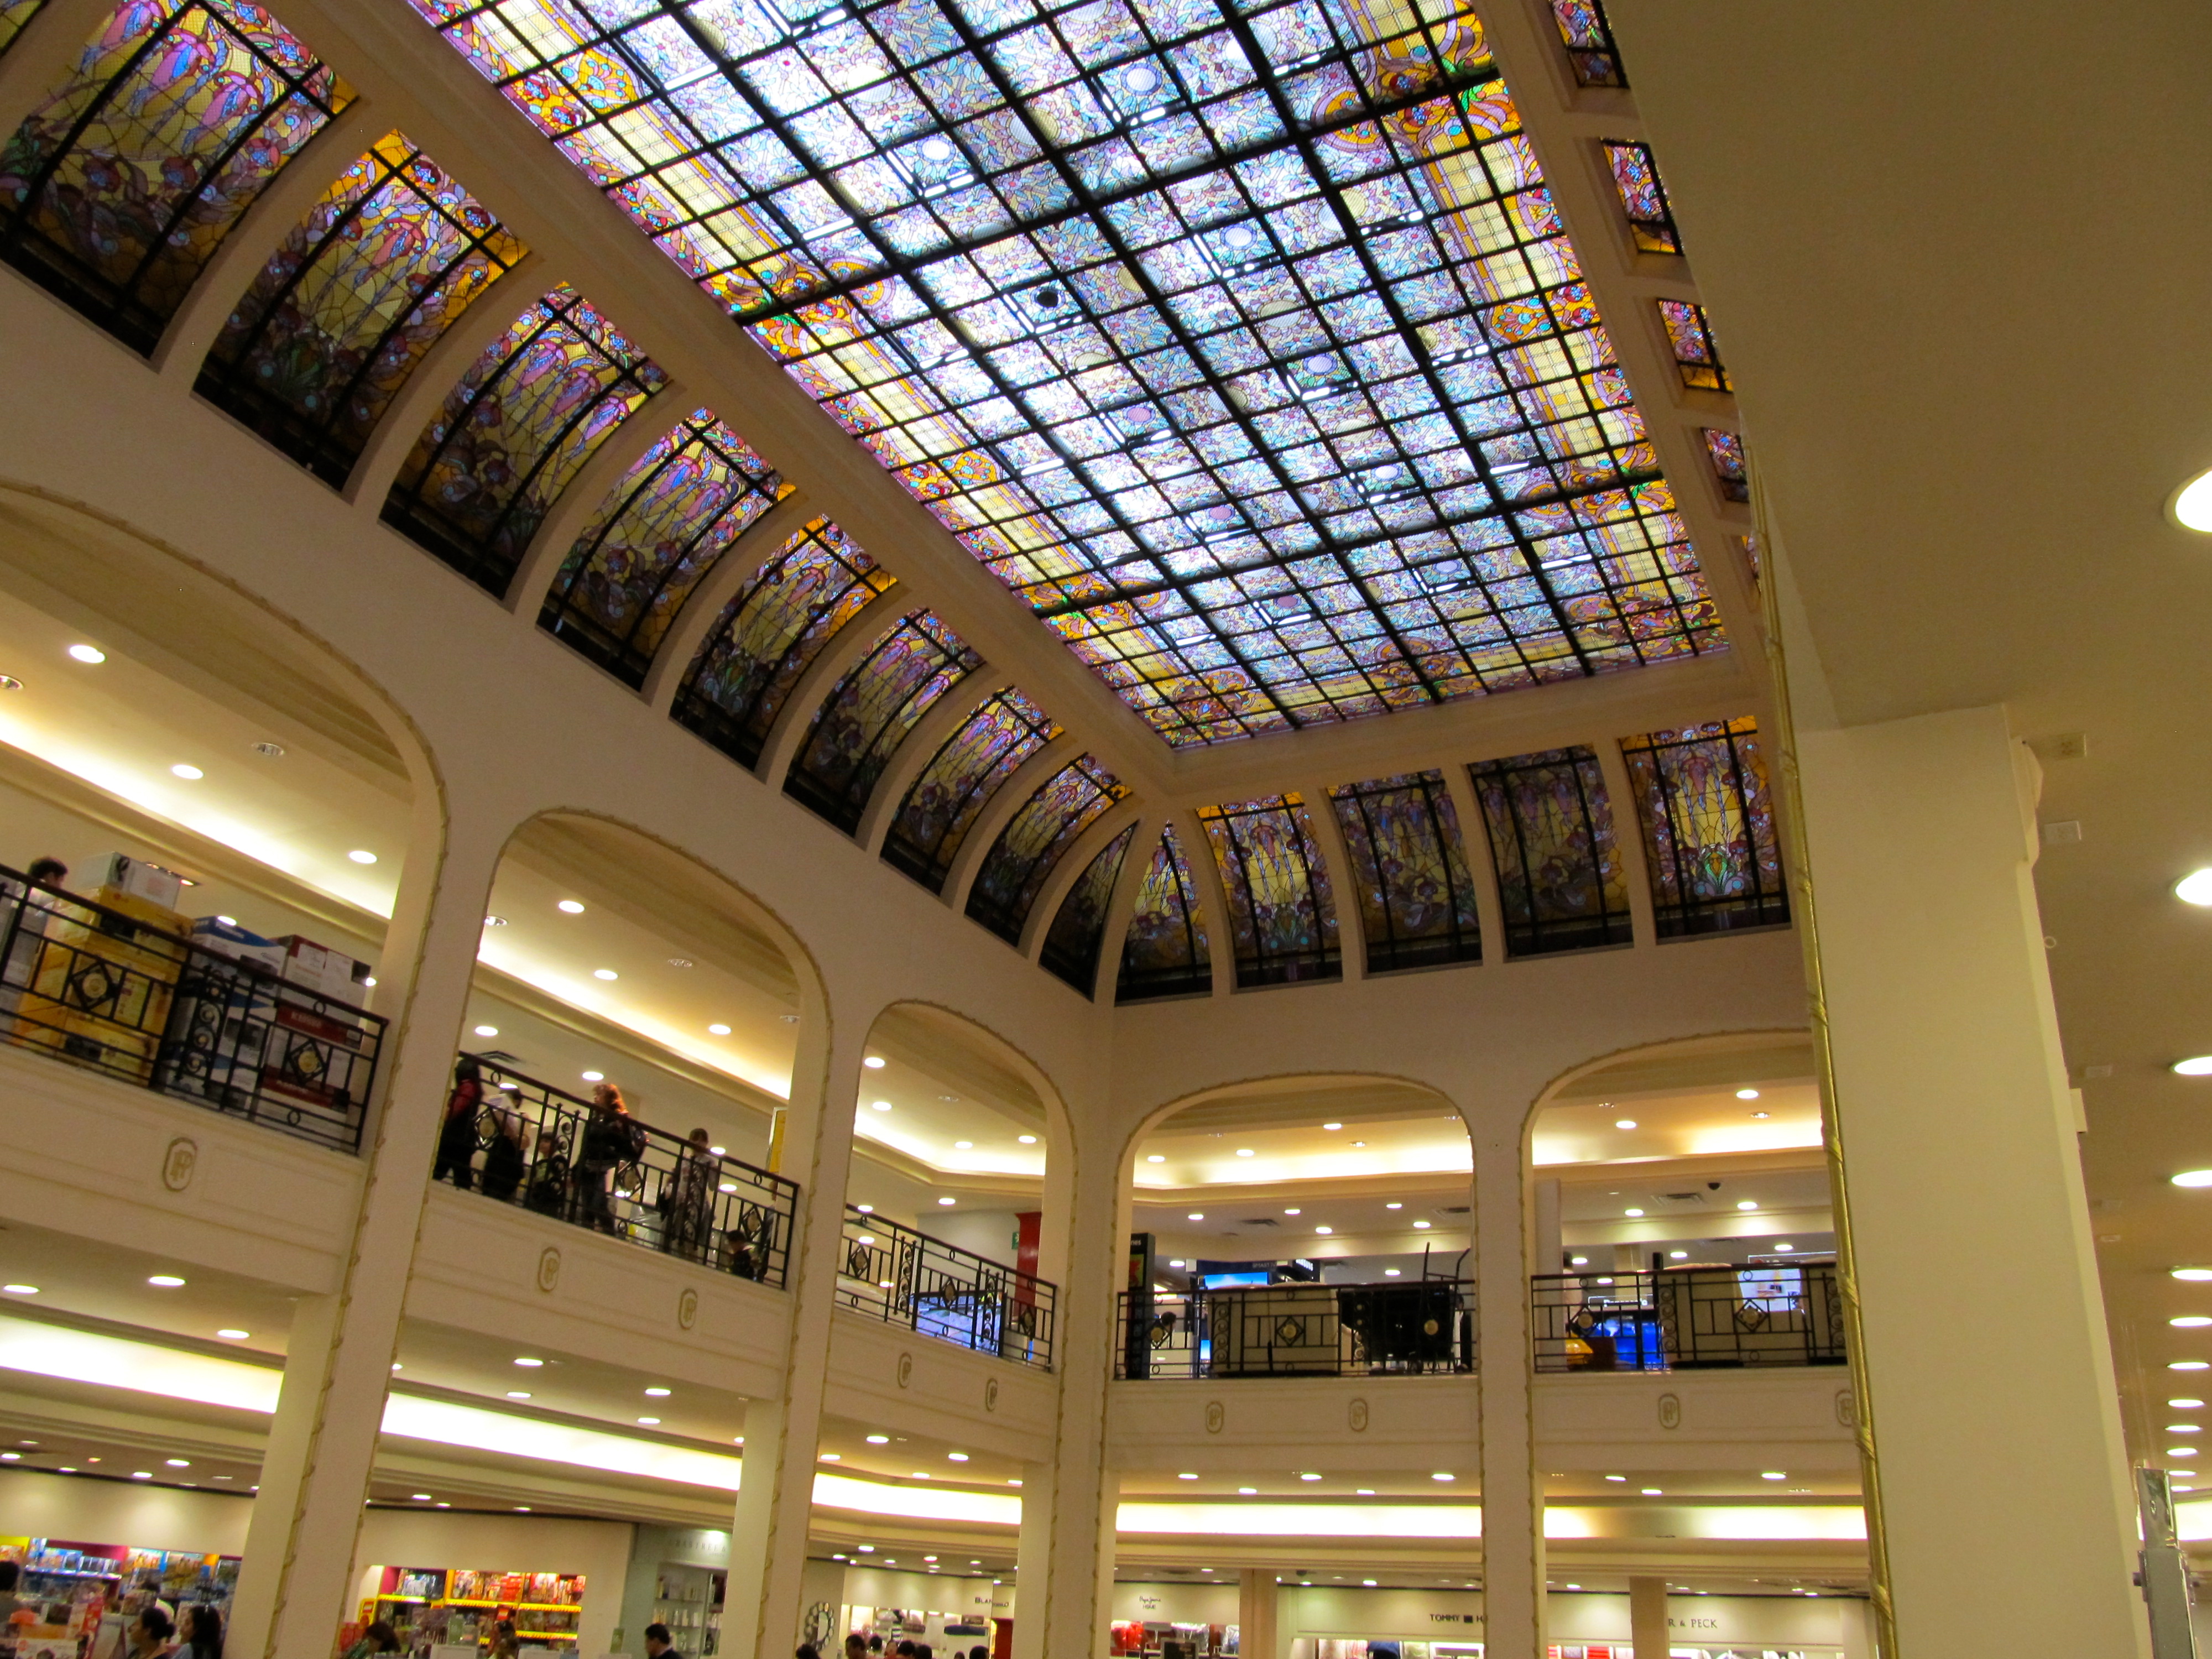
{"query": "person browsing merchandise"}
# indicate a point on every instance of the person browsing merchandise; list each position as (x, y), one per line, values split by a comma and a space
(657, 1645)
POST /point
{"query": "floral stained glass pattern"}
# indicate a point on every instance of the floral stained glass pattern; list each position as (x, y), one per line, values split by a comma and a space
(653, 540)
(938, 811)
(1726, 449)
(1708, 821)
(1409, 872)
(1643, 197)
(856, 732)
(1551, 840)
(1166, 953)
(117, 190)
(1692, 338)
(1034, 842)
(1071, 943)
(1282, 920)
(525, 418)
(1589, 40)
(1244, 344)
(347, 305)
(769, 634)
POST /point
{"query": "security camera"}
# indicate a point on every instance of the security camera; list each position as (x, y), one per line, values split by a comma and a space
(1712, 1186)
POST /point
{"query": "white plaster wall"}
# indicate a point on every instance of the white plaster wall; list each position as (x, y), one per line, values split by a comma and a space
(33, 1505)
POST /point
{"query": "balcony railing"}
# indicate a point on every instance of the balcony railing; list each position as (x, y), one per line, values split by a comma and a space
(119, 995)
(905, 1277)
(532, 1148)
(1418, 1329)
(1688, 1318)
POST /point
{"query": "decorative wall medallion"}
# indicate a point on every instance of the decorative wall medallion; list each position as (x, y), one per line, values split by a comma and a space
(1215, 1417)
(1847, 1408)
(178, 1162)
(991, 1396)
(549, 1270)
(905, 1370)
(1670, 1411)
(687, 1309)
(1357, 1414)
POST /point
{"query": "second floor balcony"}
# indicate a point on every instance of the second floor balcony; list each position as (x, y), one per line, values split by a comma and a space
(902, 1277)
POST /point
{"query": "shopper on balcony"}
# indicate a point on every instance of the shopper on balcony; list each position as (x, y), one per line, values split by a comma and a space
(611, 1139)
(504, 1162)
(457, 1137)
(690, 1200)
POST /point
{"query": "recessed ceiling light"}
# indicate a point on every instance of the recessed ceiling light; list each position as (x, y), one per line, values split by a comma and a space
(1309, 1477)
(2191, 1321)
(167, 1281)
(657, 1393)
(1156, 1158)
(1025, 1140)
(19, 1290)
(717, 1029)
(1247, 1491)
(594, 1077)
(1196, 1215)
(1677, 1255)
(2189, 1365)
(1186, 1477)
(1177, 1262)
(1632, 1212)
(963, 1146)
(650, 1422)
(1293, 1213)
(419, 1497)
(1653, 1491)
(518, 1394)
(880, 1105)
(1394, 1205)
(1332, 1126)
(2193, 1178)
(178, 1462)
(1578, 1261)
(2191, 504)
(87, 653)
(605, 973)
(361, 855)
(494, 921)
(231, 1333)
(950, 1200)
(1390, 1272)
(573, 906)
(1244, 1152)
(1442, 1475)
(142, 1474)
(1760, 1114)
(487, 1031)
(1616, 1477)
(1747, 1094)
(2195, 1065)
(1324, 1231)
(865, 1209)
(1624, 1124)
(525, 1360)
(2185, 1428)
(189, 773)
(1359, 1143)
(1785, 1245)
(1773, 1475)
(1422, 1223)
(9, 682)
(1748, 1204)
(955, 1457)
(874, 1062)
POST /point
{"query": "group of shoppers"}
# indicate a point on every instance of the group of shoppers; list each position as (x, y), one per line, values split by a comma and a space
(575, 1171)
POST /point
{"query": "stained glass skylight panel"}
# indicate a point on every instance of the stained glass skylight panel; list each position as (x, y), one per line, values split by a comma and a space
(861, 726)
(1560, 880)
(350, 300)
(1035, 839)
(767, 636)
(1282, 918)
(521, 423)
(1708, 823)
(958, 782)
(1247, 349)
(1726, 449)
(1692, 338)
(1416, 897)
(1079, 928)
(1165, 953)
(14, 14)
(117, 190)
(1588, 38)
(669, 522)
(1643, 197)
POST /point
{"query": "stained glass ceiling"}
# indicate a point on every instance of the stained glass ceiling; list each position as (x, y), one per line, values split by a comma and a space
(1239, 339)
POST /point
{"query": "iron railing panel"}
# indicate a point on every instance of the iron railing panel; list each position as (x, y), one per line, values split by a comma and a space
(902, 1277)
(1687, 1318)
(1419, 1327)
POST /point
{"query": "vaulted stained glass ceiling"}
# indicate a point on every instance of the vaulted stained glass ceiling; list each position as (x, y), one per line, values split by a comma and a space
(1240, 338)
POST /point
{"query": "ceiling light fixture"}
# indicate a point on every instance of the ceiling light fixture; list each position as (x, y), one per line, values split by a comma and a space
(2192, 508)
(1632, 1212)
(605, 973)
(1748, 1204)
(232, 1333)
(2193, 1178)
(19, 1290)
(1156, 1158)
(1422, 1223)
(1394, 1205)
(1293, 1213)
(526, 1361)
(1624, 1124)
(950, 1200)
(518, 1394)
(1324, 1231)
(1196, 1215)
(2189, 1365)
(91, 654)
(2191, 1321)
(1332, 1126)
(874, 1062)
(1244, 1152)
(167, 1281)
(594, 1077)
(570, 907)
(1025, 1140)
(880, 1105)
(1442, 1475)
(361, 855)
(2195, 1066)
(487, 1031)
(189, 773)
(1747, 1094)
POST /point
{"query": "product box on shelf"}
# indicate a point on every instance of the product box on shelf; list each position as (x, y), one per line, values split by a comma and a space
(115, 875)
(323, 971)
(102, 982)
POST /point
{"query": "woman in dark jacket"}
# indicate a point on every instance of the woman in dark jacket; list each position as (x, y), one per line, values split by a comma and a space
(457, 1138)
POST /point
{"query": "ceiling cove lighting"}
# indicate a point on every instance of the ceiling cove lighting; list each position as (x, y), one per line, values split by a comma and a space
(2195, 887)
(2195, 1066)
(2193, 504)
(2193, 1177)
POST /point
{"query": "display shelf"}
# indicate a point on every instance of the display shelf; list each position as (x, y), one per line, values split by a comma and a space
(478, 1601)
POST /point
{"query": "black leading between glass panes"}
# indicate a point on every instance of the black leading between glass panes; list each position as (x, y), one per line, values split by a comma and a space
(1072, 943)
(1708, 823)
(862, 722)
(1166, 953)
(1552, 842)
(1409, 873)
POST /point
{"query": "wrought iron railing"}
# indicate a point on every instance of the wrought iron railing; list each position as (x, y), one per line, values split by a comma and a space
(120, 995)
(1687, 1318)
(906, 1278)
(533, 1146)
(1419, 1327)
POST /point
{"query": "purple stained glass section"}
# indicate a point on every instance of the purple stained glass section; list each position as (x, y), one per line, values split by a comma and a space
(1282, 919)
(1726, 451)
(1643, 197)
(1247, 348)
(1415, 895)
(653, 540)
(509, 438)
(1165, 953)
(1072, 943)
(958, 783)
(116, 192)
(352, 298)
(1692, 338)
(856, 732)
(1708, 823)
(1552, 842)
(768, 636)
(1588, 38)
(1034, 842)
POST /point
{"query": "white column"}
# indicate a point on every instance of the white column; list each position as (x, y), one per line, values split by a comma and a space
(1512, 1499)
(1999, 1485)
(768, 1537)
(1647, 1617)
(1256, 1595)
(294, 1588)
